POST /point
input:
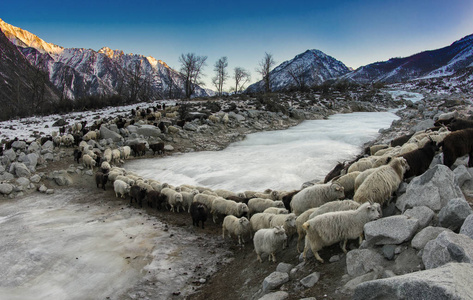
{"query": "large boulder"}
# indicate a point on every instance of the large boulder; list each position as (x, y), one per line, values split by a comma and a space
(467, 227)
(18, 145)
(30, 160)
(274, 280)
(452, 281)
(33, 147)
(447, 247)
(433, 189)
(20, 170)
(462, 174)
(362, 261)
(106, 133)
(148, 130)
(6, 188)
(453, 214)
(391, 230)
(422, 213)
(425, 235)
(10, 154)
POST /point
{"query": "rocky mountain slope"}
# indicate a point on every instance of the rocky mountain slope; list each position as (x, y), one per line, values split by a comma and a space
(309, 68)
(79, 72)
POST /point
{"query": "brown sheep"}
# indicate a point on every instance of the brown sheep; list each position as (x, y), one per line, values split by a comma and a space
(457, 144)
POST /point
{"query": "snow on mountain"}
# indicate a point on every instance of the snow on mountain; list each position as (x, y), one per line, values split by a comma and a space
(79, 72)
(311, 67)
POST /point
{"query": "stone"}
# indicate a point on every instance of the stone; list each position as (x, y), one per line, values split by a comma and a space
(407, 262)
(48, 156)
(388, 251)
(49, 145)
(422, 213)
(10, 154)
(2, 168)
(168, 148)
(310, 280)
(30, 160)
(362, 261)
(353, 283)
(23, 181)
(447, 247)
(61, 178)
(59, 123)
(334, 258)
(279, 295)
(18, 145)
(6, 188)
(42, 189)
(148, 130)
(284, 268)
(274, 280)
(391, 230)
(427, 234)
(454, 214)
(49, 191)
(106, 133)
(461, 174)
(113, 127)
(190, 126)
(6, 176)
(423, 125)
(452, 281)
(467, 227)
(235, 116)
(33, 147)
(89, 172)
(19, 170)
(433, 189)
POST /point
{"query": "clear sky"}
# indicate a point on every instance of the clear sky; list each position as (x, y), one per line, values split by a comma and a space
(354, 32)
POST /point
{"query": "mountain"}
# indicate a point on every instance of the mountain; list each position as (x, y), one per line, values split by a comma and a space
(308, 68)
(442, 62)
(24, 89)
(79, 72)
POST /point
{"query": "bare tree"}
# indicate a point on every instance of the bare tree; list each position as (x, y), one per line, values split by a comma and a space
(134, 82)
(170, 79)
(191, 68)
(241, 77)
(221, 75)
(264, 69)
(296, 71)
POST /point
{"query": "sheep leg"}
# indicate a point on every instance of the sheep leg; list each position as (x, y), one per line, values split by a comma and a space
(470, 161)
(258, 257)
(274, 257)
(239, 239)
(360, 239)
(223, 232)
(316, 254)
(344, 246)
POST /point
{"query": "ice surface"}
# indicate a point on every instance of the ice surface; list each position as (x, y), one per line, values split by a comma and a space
(397, 94)
(280, 160)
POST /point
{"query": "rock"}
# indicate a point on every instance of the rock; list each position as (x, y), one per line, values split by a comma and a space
(6, 188)
(422, 213)
(461, 174)
(6, 176)
(42, 189)
(168, 148)
(35, 178)
(148, 130)
(467, 227)
(190, 126)
(279, 295)
(334, 258)
(18, 145)
(48, 156)
(10, 154)
(447, 247)
(454, 214)
(33, 147)
(433, 189)
(20, 170)
(30, 160)
(235, 116)
(275, 280)
(22, 181)
(310, 280)
(284, 268)
(89, 172)
(49, 145)
(49, 191)
(362, 261)
(2, 168)
(425, 235)
(61, 178)
(106, 133)
(353, 283)
(390, 230)
(407, 262)
(388, 251)
(59, 123)
(452, 281)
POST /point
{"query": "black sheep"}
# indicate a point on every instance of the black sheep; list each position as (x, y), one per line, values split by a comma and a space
(101, 179)
(199, 213)
(459, 124)
(181, 123)
(154, 199)
(401, 140)
(238, 199)
(286, 199)
(420, 159)
(158, 147)
(137, 193)
(335, 172)
(77, 155)
(457, 144)
(138, 149)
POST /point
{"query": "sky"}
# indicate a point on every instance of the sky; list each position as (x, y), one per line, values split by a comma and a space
(355, 32)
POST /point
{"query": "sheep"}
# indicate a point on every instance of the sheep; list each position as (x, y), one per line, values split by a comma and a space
(419, 160)
(107, 155)
(275, 210)
(301, 219)
(215, 119)
(362, 176)
(101, 179)
(121, 188)
(225, 119)
(315, 196)
(88, 161)
(209, 192)
(138, 149)
(137, 193)
(116, 156)
(124, 178)
(221, 206)
(158, 186)
(288, 222)
(173, 198)
(199, 213)
(171, 115)
(225, 194)
(459, 124)
(268, 241)
(153, 198)
(77, 155)
(272, 195)
(105, 167)
(188, 198)
(379, 185)
(83, 145)
(67, 140)
(256, 205)
(260, 220)
(457, 144)
(125, 152)
(330, 228)
(286, 199)
(348, 183)
(336, 171)
(173, 129)
(158, 147)
(362, 164)
(112, 175)
(236, 226)
(376, 148)
(91, 135)
(399, 141)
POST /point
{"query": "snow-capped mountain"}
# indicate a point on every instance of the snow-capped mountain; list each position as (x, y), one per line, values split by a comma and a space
(79, 72)
(428, 64)
(308, 68)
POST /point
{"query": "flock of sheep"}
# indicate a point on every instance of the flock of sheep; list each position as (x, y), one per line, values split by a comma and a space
(321, 215)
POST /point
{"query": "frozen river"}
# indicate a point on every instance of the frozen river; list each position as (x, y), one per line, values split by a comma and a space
(280, 160)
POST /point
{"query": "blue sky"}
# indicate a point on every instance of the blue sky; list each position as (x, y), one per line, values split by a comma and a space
(354, 32)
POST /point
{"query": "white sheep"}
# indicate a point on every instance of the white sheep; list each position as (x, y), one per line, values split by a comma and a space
(225, 194)
(215, 119)
(379, 185)
(260, 220)
(83, 145)
(236, 226)
(276, 210)
(376, 148)
(121, 188)
(125, 152)
(157, 186)
(225, 119)
(188, 198)
(173, 198)
(362, 176)
(221, 206)
(107, 155)
(91, 135)
(125, 178)
(288, 222)
(76, 127)
(348, 182)
(210, 192)
(268, 241)
(362, 164)
(315, 196)
(256, 205)
(105, 166)
(273, 195)
(88, 161)
(300, 220)
(333, 227)
(173, 129)
(116, 156)
(67, 140)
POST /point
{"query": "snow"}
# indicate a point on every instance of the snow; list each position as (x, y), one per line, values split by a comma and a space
(407, 95)
(280, 160)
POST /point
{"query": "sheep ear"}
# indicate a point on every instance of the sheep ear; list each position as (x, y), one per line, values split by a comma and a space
(389, 159)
